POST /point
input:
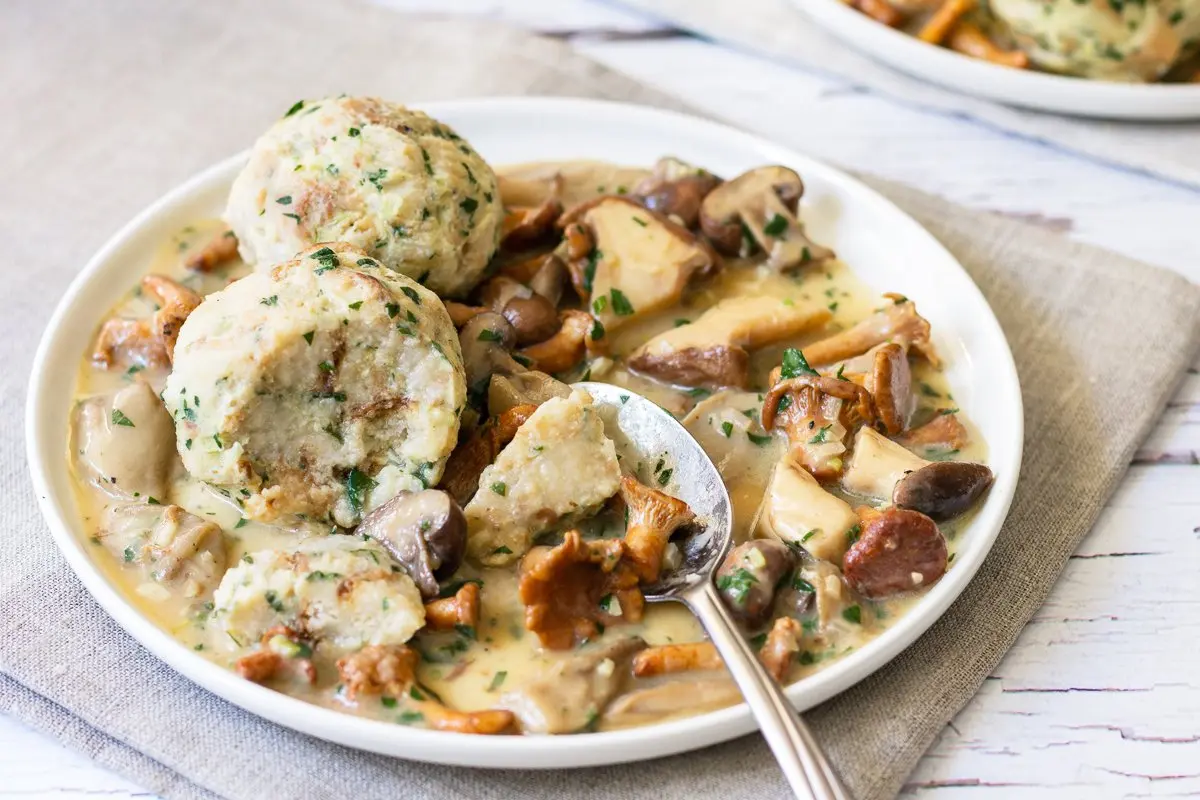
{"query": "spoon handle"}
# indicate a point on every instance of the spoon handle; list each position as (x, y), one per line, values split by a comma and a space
(798, 754)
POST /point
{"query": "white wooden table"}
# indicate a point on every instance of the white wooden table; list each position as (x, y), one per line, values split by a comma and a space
(1100, 697)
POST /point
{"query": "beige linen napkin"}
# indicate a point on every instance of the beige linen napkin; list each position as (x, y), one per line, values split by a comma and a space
(119, 101)
(778, 29)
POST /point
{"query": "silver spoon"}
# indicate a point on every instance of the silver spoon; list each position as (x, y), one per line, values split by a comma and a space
(641, 426)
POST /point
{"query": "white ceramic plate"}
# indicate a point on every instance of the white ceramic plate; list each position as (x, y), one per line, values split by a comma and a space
(885, 247)
(1027, 88)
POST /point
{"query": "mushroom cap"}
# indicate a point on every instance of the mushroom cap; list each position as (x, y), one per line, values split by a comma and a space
(425, 532)
(944, 489)
(720, 213)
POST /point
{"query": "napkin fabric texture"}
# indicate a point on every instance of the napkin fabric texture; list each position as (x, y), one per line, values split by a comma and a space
(117, 102)
(779, 29)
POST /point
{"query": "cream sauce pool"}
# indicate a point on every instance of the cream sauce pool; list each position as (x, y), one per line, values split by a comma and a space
(470, 670)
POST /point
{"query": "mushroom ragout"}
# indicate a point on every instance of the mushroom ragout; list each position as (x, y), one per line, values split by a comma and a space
(324, 476)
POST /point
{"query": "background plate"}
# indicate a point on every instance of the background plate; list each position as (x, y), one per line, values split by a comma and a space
(1027, 88)
(887, 249)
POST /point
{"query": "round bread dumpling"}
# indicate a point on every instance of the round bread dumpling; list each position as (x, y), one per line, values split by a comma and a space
(322, 387)
(395, 183)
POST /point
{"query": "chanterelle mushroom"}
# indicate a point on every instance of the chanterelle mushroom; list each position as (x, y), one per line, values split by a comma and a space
(148, 341)
(714, 349)
(761, 206)
(653, 517)
(817, 412)
(898, 321)
(570, 590)
(526, 225)
(639, 263)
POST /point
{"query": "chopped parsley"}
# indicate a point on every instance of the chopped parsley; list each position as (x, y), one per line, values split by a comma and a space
(727, 429)
(795, 364)
(119, 418)
(308, 337)
(412, 294)
(497, 681)
(801, 585)
(273, 300)
(387, 702)
(502, 550)
(241, 523)
(640, 221)
(599, 304)
(620, 303)
(299, 104)
(286, 200)
(488, 335)
(597, 330)
(776, 226)
(273, 601)
(356, 305)
(376, 178)
(852, 614)
(589, 269)
(821, 436)
(500, 488)
(852, 533)
(411, 717)
(358, 484)
(757, 439)
(664, 476)
(353, 132)
(737, 585)
(469, 204)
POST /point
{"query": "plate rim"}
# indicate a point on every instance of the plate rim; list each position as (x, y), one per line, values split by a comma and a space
(1024, 89)
(545, 752)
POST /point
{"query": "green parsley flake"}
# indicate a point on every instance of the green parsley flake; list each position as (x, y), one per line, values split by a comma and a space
(776, 227)
(795, 364)
(727, 429)
(620, 303)
(500, 488)
(119, 418)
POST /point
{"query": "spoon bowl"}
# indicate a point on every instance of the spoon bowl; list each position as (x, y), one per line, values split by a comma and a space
(641, 428)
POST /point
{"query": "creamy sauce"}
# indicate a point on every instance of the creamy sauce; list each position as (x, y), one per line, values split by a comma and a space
(470, 669)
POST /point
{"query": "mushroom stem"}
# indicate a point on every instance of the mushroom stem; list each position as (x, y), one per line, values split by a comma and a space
(653, 517)
(447, 613)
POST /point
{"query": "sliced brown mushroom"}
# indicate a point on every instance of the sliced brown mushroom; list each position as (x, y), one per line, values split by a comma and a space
(818, 414)
(448, 613)
(527, 226)
(749, 575)
(467, 462)
(571, 694)
(669, 659)
(713, 350)
(638, 261)
(168, 544)
(942, 434)
(759, 209)
(654, 704)
(942, 490)
(220, 249)
(898, 551)
(148, 341)
(797, 510)
(890, 385)
(676, 189)
(425, 532)
(570, 590)
(653, 517)
(566, 348)
(524, 388)
(877, 464)
(896, 322)
(486, 342)
(125, 442)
